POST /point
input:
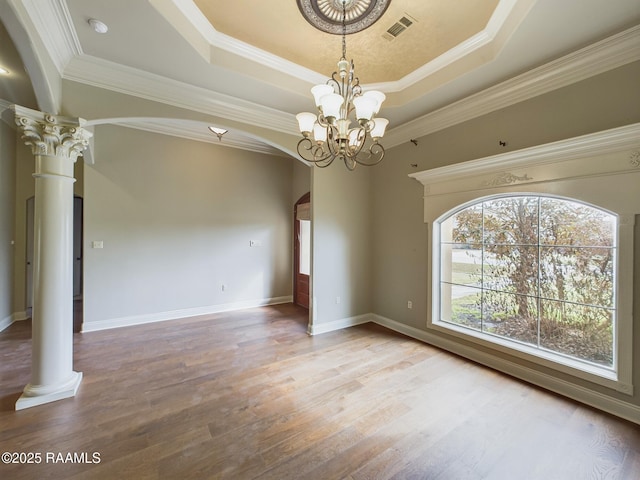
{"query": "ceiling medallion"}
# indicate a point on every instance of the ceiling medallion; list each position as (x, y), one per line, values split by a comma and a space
(326, 15)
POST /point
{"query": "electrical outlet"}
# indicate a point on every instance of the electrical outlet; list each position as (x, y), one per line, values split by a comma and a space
(409, 304)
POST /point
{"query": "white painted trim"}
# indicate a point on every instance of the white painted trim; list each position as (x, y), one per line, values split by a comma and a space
(32, 398)
(610, 53)
(183, 313)
(486, 44)
(64, 49)
(132, 81)
(11, 319)
(6, 322)
(608, 141)
(581, 394)
(46, 83)
(507, 15)
(52, 21)
(319, 328)
(207, 38)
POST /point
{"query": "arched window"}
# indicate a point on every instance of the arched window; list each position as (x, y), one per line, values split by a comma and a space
(533, 272)
(533, 255)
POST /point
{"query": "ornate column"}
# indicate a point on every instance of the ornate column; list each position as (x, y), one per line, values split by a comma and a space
(56, 142)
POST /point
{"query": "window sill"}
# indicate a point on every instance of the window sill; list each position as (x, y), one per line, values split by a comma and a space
(593, 373)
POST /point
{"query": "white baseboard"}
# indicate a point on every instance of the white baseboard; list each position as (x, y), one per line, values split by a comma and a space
(6, 322)
(579, 393)
(176, 314)
(14, 317)
(319, 328)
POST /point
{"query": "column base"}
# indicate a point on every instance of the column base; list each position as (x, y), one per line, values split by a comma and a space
(31, 398)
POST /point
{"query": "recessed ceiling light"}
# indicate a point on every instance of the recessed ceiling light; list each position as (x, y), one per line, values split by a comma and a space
(4, 71)
(98, 26)
(218, 131)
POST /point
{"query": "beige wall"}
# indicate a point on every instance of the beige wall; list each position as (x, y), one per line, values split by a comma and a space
(341, 256)
(176, 218)
(301, 181)
(400, 236)
(7, 220)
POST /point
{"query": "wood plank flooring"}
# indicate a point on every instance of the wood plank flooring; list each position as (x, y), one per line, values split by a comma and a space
(248, 394)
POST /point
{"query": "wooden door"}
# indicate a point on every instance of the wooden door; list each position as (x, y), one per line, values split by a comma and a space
(302, 251)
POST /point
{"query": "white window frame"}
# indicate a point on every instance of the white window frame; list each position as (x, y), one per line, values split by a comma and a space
(602, 170)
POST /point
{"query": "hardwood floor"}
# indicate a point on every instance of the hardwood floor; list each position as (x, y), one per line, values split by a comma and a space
(248, 394)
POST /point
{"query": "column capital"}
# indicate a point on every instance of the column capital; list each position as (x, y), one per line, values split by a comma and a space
(52, 135)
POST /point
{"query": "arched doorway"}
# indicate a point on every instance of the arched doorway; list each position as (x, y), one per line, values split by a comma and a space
(302, 250)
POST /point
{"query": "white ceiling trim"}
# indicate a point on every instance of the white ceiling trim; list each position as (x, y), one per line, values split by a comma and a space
(506, 17)
(600, 57)
(270, 60)
(462, 50)
(213, 39)
(610, 53)
(620, 139)
(52, 22)
(112, 76)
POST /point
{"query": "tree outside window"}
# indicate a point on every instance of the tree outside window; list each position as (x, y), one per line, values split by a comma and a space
(535, 270)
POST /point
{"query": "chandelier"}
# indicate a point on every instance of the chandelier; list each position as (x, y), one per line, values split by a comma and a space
(346, 126)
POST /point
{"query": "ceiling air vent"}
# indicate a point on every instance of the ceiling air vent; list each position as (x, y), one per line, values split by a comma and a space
(398, 27)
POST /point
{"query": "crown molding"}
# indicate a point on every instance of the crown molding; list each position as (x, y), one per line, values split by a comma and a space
(208, 38)
(600, 57)
(506, 17)
(52, 22)
(499, 167)
(131, 81)
(267, 59)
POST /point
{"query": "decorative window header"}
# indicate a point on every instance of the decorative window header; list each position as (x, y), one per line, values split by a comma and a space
(578, 157)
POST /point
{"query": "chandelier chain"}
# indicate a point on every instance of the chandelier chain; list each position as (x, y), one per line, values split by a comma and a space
(344, 30)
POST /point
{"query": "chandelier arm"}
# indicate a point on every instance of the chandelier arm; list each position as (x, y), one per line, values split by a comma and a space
(361, 139)
(326, 163)
(333, 142)
(375, 150)
(316, 152)
(322, 121)
(350, 163)
(335, 83)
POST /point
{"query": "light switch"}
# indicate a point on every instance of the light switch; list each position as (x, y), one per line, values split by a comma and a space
(97, 244)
